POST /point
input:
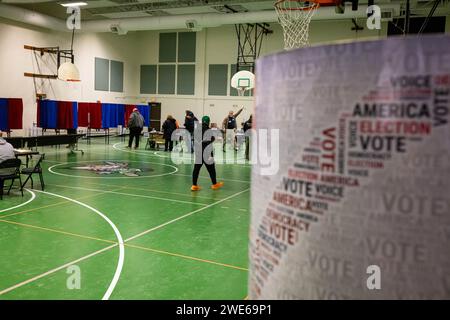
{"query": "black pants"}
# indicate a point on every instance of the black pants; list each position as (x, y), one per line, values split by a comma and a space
(247, 148)
(134, 133)
(168, 145)
(211, 170)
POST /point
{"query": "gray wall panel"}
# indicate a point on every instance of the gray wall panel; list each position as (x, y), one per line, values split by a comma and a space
(148, 78)
(218, 79)
(101, 74)
(116, 79)
(166, 79)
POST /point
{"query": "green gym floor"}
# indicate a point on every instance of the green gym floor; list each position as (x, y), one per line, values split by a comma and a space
(177, 244)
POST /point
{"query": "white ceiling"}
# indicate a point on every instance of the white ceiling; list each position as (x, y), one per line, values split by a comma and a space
(116, 9)
(113, 9)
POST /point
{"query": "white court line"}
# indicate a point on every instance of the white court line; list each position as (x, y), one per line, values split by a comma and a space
(114, 245)
(130, 194)
(149, 154)
(134, 188)
(50, 169)
(132, 152)
(116, 277)
(220, 160)
(164, 174)
(33, 196)
(206, 177)
(55, 270)
(186, 215)
(175, 174)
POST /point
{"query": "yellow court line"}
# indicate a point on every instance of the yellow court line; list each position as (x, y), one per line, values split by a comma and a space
(126, 244)
(57, 231)
(137, 195)
(186, 257)
(53, 204)
(153, 190)
(33, 209)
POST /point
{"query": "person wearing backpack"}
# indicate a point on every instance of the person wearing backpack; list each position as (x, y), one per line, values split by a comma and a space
(135, 124)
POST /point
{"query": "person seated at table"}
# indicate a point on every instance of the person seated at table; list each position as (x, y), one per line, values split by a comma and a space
(6, 150)
(71, 145)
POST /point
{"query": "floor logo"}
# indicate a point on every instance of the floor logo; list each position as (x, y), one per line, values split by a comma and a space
(110, 168)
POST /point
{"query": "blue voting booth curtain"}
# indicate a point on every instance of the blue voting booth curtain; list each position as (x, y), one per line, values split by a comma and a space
(48, 114)
(75, 115)
(110, 116)
(145, 111)
(121, 115)
(3, 114)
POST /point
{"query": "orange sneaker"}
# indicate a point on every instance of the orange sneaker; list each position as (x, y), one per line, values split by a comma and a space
(217, 185)
(195, 188)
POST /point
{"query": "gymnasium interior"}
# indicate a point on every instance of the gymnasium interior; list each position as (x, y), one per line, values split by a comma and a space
(94, 218)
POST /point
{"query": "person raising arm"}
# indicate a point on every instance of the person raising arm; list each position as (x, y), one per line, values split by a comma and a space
(229, 127)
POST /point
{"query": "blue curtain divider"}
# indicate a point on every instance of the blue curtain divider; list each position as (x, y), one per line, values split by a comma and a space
(145, 111)
(109, 115)
(48, 114)
(121, 115)
(4, 114)
(75, 115)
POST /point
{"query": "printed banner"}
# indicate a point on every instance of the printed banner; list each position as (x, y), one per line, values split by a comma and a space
(360, 205)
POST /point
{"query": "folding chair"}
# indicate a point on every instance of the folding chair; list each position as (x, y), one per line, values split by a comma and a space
(36, 169)
(10, 170)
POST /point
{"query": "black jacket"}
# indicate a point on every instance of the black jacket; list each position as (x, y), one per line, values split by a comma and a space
(169, 127)
(206, 140)
(247, 125)
(189, 124)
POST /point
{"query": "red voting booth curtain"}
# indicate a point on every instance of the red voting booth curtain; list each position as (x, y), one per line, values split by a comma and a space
(15, 113)
(128, 111)
(95, 111)
(38, 117)
(65, 115)
(83, 109)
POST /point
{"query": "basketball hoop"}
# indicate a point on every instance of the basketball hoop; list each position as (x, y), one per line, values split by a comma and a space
(241, 90)
(295, 16)
(243, 81)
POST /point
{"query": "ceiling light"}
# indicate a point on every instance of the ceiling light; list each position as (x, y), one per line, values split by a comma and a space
(68, 72)
(74, 4)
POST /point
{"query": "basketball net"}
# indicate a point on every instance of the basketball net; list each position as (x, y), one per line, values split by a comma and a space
(241, 91)
(295, 16)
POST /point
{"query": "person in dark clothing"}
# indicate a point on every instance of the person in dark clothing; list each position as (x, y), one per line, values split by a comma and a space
(229, 125)
(189, 124)
(247, 126)
(204, 142)
(71, 146)
(135, 124)
(169, 126)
